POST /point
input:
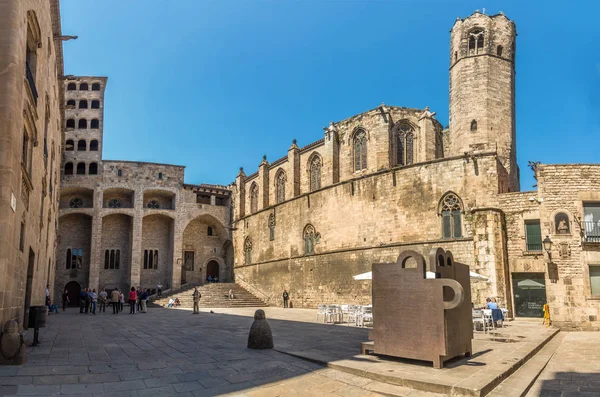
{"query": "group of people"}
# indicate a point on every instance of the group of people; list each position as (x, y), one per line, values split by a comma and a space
(90, 300)
(212, 279)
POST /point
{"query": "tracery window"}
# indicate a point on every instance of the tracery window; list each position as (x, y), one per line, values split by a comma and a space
(476, 39)
(74, 258)
(280, 186)
(150, 259)
(360, 150)
(153, 204)
(248, 251)
(315, 173)
(311, 237)
(451, 211)
(404, 144)
(272, 227)
(76, 202)
(115, 203)
(253, 198)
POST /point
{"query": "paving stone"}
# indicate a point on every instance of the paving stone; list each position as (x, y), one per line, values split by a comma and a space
(15, 380)
(99, 378)
(187, 386)
(82, 389)
(134, 375)
(35, 390)
(124, 385)
(55, 379)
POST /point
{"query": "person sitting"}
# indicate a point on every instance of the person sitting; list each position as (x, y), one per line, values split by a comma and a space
(177, 303)
(51, 308)
(216, 279)
(231, 294)
(171, 302)
(210, 279)
(491, 304)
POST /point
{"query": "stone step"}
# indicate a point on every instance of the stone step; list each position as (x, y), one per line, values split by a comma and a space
(213, 296)
(519, 383)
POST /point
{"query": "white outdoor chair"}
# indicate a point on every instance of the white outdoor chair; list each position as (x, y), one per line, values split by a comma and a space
(353, 314)
(321, 311)
(344, 310)
(366, 315)
(487, 316)
(478, 318)
(332, 312)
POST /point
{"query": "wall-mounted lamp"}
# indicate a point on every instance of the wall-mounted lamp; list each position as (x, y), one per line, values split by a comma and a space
(533, 199)
(548, 247)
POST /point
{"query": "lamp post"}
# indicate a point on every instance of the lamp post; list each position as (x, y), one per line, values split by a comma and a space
(548, 247)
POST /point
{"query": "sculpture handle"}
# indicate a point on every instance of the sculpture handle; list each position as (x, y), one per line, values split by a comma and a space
(459, 292)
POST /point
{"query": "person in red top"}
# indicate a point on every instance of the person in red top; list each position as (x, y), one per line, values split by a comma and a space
(132, 299)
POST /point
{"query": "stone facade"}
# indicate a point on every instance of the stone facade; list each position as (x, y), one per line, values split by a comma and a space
(31, 102)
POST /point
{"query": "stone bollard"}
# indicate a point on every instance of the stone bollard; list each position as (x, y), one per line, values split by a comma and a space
(260, 336)
(12, 345)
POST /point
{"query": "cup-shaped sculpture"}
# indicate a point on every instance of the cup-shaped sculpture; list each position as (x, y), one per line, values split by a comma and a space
(418, 317)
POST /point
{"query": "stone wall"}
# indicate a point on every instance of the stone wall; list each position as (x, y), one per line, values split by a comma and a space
(76, 232)
(116, 235)
(157, 234)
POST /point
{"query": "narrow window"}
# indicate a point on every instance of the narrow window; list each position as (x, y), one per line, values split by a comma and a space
(476, 41)
(106, 259)
(455, 56)
(409, 148)
(272, 227)
(95, 104)
(280, 186)
(533, 235)
(145, 259)
(83, 87)
(96, 87)
(156, 259)
(69, 168)
(22, 238)
(81, 145)
(70, 123)
(210, 231)
(309, 236)
(81, 169)
(499, 50)
(68, 258)
(451, 212)
(315, 173)
(160, 175)
(112, 259)
(82, 124)
(119, 173)
(71, 87)
(254, 198)
(248, 251)
(360, 151)
(95, 124)
(93, 170)
(94, 145)
(117, 259)
(69, 145)
(473, 125)
(150, 259)
(83, 104)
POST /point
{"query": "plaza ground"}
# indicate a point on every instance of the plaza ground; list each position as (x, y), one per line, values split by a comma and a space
(170, 352)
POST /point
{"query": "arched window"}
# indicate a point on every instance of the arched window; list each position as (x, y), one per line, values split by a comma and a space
(160, 175)
(473, 125)
(83, 87)
(82, 124)
(94, 145)
(499, 50)
(253, 198)
(81, 145)
(248, 251)
(71, 104)
(476, 40)
(112, 259)
(68, 258)
(93, 170)
(209, 231)
(95, 104)
(96, 87)
(280, 186)
(561, 223)
(272, 227)
(119, 173)
(83, 104)
(117, 259)
(404, 143)
(106, 258)
(70, 123)
(69, 168)
(95, 124)
(311, 237)
(81, 169)
(360, 150)
(315, 173)
(69, 145)
(71, 87)
(152, 203)
(451, 210)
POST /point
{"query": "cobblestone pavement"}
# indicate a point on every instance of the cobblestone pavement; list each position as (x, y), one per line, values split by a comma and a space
(573, 370)
(169, 352)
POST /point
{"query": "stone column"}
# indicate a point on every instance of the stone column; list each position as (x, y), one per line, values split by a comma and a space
(424, 145)
(294, 160)
(263, 177)
(332, 151)
(96, 243)
(178, 228)
(240, 200)
(136, 250)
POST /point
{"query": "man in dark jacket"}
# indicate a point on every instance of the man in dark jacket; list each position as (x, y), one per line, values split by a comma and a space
(286, 296)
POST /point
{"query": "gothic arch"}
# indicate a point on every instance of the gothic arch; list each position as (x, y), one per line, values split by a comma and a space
(253, 198)
(451, 210)
(447, 194)
(314, 167)
(359, 140)
(280, 182)
(402, 141)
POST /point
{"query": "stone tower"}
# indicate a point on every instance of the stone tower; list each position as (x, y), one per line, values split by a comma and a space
(84, 118)
(482, 90)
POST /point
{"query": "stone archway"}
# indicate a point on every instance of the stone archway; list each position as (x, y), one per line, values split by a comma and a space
(73, 290)
(212, 269)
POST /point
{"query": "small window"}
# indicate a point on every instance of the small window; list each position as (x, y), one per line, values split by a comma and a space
(71, 87)
(70, 123)
(96, 87)
(95, 124)
(22, 238)
(94, 145)
(473, 125)
(533, 235)
(81, 169)
(83, 104)
(69, 168)
(119, 173)
(71, 104)
(93, 169)
(272, 227)
(455, 56)
(210, 231)
(253, 198)
(595, 279)
(115, 203)
(248, 251)
(95, 104)
(499, 50)
(83, 87)
(82, 124)
(81, 145)
(160, 175)
(69, 145)
(476, 41)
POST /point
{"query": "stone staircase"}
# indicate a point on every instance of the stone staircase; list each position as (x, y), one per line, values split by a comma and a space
(213, 295)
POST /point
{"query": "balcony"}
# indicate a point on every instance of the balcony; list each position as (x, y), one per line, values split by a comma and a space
(591, 231)
(31, 81)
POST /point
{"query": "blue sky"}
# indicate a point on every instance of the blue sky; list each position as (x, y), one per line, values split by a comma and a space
(214, 85)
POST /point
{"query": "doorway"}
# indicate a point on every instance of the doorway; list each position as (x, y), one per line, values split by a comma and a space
(212, 269)
(73, 290)
(28, 288)
(529, 292)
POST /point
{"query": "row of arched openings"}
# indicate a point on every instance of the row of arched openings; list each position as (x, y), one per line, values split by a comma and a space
(112, 259)
(83, 104)
(81, 145)
(92, 169)
(83, 87)
(83, 124)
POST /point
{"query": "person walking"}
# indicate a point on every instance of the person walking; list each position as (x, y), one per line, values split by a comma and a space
(132, 300)
(102, 297)
(121, 300)
(94, 301)
(82, 295)
(138, 293)
(286, 296)
(65, 299)
(114, 300)
(159, 288)
(196, 296)
(88, 300)
(144, 299)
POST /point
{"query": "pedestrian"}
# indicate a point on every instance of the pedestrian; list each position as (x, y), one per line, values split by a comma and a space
(102, 298)
(88, 300)
(138, 293)
(144, 299)
(82, 295)
(65, 299)
(286, 296)
(48, 290)
(196, 296)
(114, 300)
(94, 301)
(121, 300)
(159, 290)
(132, 300)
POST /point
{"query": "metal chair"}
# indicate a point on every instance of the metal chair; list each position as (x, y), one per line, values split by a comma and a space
(332, 312)
(487, 316)
(344, 310)
(321, 311)
(366, 315)
(353, 314)
(478, 318)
